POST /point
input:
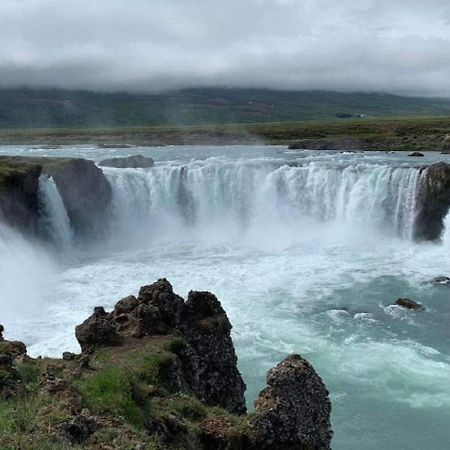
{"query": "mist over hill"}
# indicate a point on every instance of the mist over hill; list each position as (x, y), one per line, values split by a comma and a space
(58, 108)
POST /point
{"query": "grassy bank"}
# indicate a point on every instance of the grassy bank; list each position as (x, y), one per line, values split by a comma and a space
(418, 133)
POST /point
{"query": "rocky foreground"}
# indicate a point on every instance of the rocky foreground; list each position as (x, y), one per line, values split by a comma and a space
(157, 372)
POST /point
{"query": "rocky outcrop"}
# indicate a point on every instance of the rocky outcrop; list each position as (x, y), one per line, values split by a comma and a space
(208, 360)
(294, 410)
(433, 202)
(160, 372)
(83, 187)
(19, 203)
(134, 162)
(85, 191)
(9, 377)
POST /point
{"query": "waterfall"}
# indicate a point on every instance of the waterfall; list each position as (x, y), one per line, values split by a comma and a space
(54, 219)
(258, 192)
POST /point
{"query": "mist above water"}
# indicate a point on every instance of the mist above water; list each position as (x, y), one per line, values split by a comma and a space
(307, 252)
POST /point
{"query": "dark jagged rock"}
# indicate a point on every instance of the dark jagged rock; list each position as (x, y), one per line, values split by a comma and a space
(408, 304)
(85, 191)
(293, 412)
(97, 331)
(83, 187)
(12, 348)
(433, 202)
(416, 154)
(208, 361)
(9, 378)
(210, 354)
(133, 162)
(19, 203)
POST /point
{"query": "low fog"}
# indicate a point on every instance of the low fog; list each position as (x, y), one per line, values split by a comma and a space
(394, 46)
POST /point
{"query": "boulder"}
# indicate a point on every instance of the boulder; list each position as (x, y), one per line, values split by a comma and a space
(132, 162)
(97, 331)
(408, 304)
(293, 411)
(416, 154)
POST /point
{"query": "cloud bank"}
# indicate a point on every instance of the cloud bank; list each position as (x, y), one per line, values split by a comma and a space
(398, 46)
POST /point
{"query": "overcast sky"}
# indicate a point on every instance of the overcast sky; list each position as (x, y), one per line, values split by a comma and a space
(400, 46)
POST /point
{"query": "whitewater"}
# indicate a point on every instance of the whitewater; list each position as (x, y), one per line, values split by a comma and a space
(307, 252)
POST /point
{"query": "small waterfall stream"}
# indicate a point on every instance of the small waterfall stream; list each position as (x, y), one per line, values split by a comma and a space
(54, 219)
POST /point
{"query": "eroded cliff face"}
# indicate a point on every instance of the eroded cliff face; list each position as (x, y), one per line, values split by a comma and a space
(158, 372)
(433, 202)
(83, 187)
(19, 205)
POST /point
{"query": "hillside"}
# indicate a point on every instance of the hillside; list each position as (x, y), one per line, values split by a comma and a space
(51, 108)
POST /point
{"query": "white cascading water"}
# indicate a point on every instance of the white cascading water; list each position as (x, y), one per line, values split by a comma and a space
(54, 218)
(255, 193)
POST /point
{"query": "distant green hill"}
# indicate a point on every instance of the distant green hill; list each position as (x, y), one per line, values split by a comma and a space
(54, 108)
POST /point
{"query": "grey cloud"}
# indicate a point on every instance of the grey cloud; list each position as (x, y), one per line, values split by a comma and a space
(372, 45)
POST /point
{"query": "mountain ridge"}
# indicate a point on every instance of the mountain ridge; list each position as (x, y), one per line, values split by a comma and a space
(26, 108)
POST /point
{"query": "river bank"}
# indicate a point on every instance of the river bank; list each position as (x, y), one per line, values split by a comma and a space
(422, 133)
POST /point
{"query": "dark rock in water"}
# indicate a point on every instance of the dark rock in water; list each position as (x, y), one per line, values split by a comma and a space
(433, 202)
(294, 410)
(133, 162)
(408, 304)
(416, 154)
(114, 146)
(442, 280)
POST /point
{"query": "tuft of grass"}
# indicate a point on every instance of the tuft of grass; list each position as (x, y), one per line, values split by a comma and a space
(26, 421)
(110, 391)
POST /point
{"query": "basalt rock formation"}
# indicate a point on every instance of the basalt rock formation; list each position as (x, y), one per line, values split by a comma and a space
(159, 372)
(134, 162)
(19, 204)
(433, 202)
(207, 362)
(83, 187)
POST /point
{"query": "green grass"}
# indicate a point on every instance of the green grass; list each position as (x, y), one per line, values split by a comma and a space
(394, 133)
(110, 392)
(26, 420)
